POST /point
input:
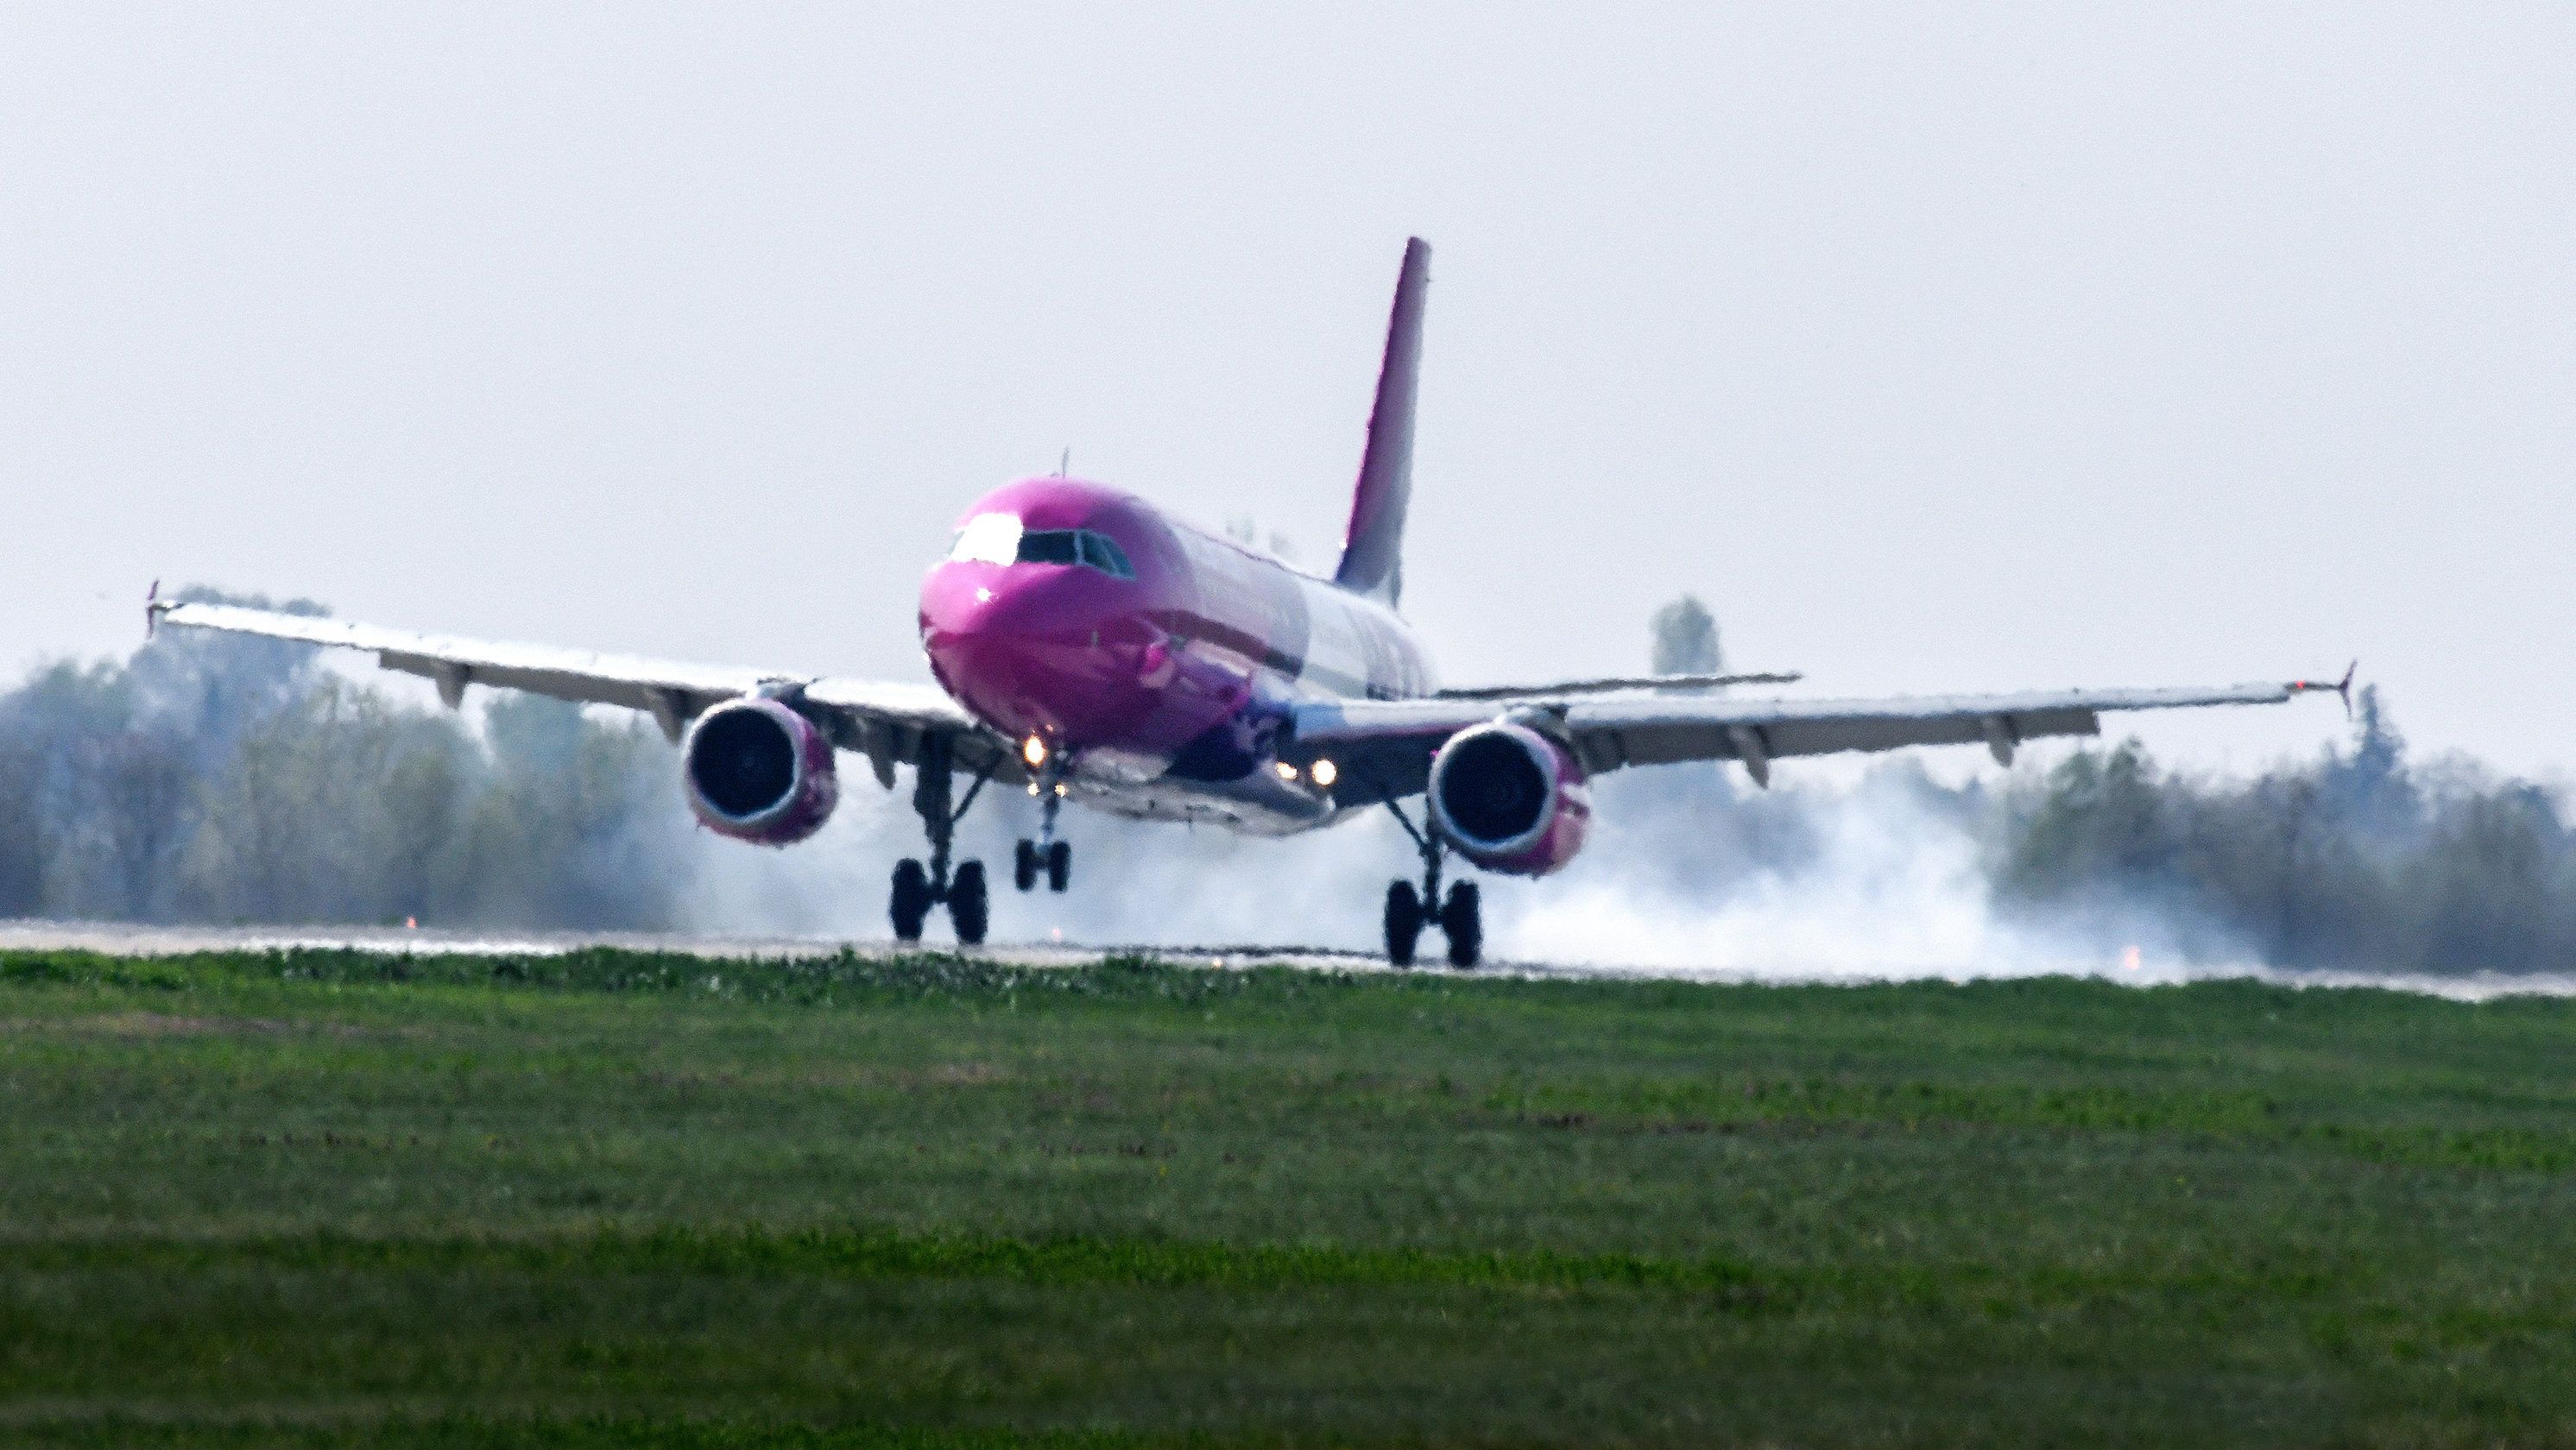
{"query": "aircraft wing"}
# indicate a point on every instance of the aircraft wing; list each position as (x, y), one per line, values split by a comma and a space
(884, 719)
(1560, 688)
(1390, 742)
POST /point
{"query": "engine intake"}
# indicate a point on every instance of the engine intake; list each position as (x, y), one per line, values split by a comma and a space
(758, 771)
(1510, 799)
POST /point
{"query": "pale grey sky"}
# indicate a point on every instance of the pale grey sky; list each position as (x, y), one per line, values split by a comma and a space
(1936, 346)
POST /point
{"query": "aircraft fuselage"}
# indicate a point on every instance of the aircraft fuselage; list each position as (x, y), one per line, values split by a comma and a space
(1157, 671)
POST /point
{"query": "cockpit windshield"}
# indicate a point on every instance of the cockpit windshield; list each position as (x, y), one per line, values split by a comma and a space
(1050, 546)
(1002, 539)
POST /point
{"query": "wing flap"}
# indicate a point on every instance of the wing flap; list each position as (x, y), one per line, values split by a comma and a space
(1562, 689)
(1607, 746)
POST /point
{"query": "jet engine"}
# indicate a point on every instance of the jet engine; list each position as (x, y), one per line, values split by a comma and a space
(1510, 799)
(758, 771)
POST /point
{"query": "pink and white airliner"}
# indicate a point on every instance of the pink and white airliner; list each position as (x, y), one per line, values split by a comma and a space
(1090, 647)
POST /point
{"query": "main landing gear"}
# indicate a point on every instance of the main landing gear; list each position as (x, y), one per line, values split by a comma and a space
(1046, 856)
(917, 890)
(1460, 917)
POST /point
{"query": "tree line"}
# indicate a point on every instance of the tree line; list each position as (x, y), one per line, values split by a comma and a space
(2360, 857)
(227, 779)
(223, 779)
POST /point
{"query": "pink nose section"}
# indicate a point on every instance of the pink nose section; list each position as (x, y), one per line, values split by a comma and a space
(1018, 653)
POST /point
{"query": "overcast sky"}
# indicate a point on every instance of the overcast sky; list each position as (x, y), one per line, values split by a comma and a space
(1937, 347)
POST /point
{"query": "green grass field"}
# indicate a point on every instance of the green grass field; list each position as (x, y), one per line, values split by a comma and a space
(324, 1199)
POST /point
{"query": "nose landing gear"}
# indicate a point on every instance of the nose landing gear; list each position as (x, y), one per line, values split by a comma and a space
(1460, 917)
(1053, 861)
(1046, 855)
(917, 890)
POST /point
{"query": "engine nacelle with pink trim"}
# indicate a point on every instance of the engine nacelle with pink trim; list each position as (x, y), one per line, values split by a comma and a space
(1510, 799)
(758, 771)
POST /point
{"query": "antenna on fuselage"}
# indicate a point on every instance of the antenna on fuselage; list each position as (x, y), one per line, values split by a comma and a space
(1064, 465)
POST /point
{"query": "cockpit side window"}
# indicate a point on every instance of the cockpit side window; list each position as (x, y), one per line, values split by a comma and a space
(1101, 552)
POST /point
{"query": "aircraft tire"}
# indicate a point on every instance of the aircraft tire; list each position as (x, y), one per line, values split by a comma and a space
(1024, 864)
(1403, 922)
(969, 910)
(911, 903)
(1059, 865)
(1462, 921)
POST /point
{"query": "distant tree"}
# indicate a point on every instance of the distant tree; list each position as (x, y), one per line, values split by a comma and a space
(2497, 883)
(298, 827)
(22, 822)
(2370, 783)
(1685, 640)
(207, 689)
(581, 824)
(121, 837)
(99, 796)
(2105, 820)
(533, 737)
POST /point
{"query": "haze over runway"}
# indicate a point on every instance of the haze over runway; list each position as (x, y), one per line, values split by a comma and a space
(1977, 349)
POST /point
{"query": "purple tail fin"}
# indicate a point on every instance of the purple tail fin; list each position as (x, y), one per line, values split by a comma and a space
(1373, 550)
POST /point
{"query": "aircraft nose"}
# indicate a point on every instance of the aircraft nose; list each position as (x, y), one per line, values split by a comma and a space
(1022, 652)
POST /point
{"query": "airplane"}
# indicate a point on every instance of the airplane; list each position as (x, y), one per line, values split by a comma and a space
(1088, 646)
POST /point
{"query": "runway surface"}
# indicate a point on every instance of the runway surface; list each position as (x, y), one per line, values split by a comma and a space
(124, 939)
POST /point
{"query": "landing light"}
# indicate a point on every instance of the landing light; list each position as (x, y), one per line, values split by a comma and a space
(1323, 772)
(1033, 750)
(1286, 771)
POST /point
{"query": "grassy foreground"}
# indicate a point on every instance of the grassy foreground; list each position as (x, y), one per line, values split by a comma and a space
(327, 1199)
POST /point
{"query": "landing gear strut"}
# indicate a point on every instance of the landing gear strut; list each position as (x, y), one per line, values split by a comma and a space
(1046, 855)
(1460, 917)
(917, 890)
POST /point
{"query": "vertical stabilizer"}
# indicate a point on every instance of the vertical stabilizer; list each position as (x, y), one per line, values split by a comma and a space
(1373, 550)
